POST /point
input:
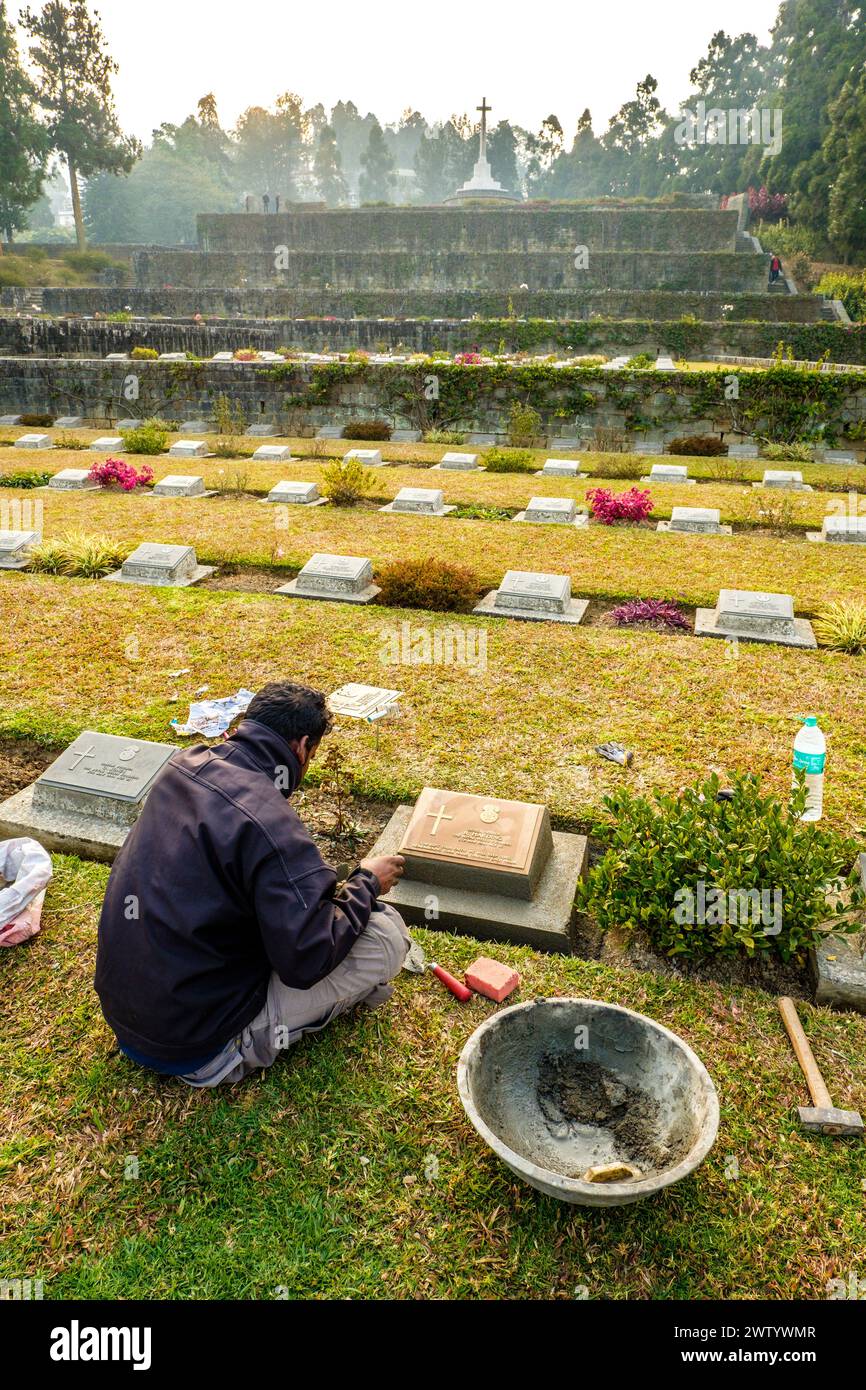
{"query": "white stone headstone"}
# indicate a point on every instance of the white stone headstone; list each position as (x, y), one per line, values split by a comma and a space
(533, 591)
(844, 529)
(668, 473)
(462, 463)
(748, 610)
(128, 424)
(342, 577)
(162, 565)
(15, 547)
(193, 427)
(68, 422)
(561, 510)
(106, 443)
(294, 493)
(10, 419)
(742, 451)
(101, 776)
(429, 500)
(697, 519)
(561, 468)
(72, 479)
(272, 453)
(782, 477)
(188, 449)
(370, 458)
(34, 441)
(180, 485)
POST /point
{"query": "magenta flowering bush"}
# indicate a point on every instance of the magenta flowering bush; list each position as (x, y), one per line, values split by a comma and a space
(468, 359)
(658, 613)
(117, 473)
(767, 206)
(631, 507)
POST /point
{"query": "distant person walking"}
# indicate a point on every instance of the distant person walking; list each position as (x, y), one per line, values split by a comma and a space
(775, 269)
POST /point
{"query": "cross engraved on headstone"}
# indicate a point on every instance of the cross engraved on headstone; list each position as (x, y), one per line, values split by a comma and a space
(439, 816)
(79, 757)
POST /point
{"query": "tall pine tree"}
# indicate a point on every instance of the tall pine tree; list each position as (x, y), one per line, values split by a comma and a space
(377, 169)
(74, 72)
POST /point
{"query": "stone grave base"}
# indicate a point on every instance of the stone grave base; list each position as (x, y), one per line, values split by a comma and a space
(840, 981)
(61, 832)
(180, 496)
(785, 487)
(581, 520)
(671, 482)
(437, 468)
(559, 473)
(291, 590)
(407, 511)
(721, 530)
(284, 502)
(487, 608)
(707, 625)
(199, 573)
(546, 922)
(818, 538)
(15, 564)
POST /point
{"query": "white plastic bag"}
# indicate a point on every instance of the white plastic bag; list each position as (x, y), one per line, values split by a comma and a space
(27, 868)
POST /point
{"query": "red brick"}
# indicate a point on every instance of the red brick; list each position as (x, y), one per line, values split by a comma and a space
(491, 978)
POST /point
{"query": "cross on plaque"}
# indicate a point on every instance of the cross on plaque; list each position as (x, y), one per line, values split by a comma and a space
(439, 816)
(483, 108)
(87, 753)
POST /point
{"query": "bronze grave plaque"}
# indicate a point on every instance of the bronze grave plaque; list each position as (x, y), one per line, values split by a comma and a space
(480, 843)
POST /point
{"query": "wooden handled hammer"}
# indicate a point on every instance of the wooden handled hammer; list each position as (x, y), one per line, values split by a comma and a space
(823, 1114)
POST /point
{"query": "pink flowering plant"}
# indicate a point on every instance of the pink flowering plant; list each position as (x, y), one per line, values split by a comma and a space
(117, 473)
(468, 359)
(631, 507)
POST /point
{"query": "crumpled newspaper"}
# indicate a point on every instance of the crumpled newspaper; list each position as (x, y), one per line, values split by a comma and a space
(210, 718)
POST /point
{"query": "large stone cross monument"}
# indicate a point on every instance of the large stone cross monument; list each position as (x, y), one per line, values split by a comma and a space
(483, 186)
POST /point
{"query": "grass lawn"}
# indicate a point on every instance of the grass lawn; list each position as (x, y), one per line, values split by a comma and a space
(311, 1179)
(524, 726)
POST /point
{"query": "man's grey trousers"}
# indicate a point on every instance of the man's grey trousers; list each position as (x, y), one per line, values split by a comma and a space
(287, 1014)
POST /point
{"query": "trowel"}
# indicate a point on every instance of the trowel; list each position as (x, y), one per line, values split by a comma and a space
(416, 963)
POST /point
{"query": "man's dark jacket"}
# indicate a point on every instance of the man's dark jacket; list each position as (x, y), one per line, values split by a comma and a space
(218, 884)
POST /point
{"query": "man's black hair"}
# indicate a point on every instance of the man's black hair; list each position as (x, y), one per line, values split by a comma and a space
(291, 711)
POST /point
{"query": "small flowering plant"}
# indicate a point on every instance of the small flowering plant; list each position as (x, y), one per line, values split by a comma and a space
(656, 613)
(468, 359)
(631, 507)
(117, 473)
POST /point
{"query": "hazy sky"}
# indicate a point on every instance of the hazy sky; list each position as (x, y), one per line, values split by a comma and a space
(439, 57)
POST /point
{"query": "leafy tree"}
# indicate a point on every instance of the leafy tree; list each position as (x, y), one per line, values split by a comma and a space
(74, 72)
(632, 142)
(377, 169)
(328, 169)
(23, 141)
(502, 153)
(543, 150)
(352, 131)
(823, 45)
(269, 148)
(844, 156)
(186, 170)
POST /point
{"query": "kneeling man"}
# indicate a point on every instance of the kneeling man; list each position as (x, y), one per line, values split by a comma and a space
(222, 938)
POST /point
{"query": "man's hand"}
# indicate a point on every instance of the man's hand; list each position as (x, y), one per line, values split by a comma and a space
(387, 869)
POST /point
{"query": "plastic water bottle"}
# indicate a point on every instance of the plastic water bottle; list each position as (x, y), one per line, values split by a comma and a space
(810, 753)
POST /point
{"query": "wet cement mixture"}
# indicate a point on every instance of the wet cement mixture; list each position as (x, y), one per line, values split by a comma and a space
(571, 1093)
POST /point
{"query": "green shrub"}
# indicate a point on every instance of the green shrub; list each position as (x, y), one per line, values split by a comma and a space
(231, 423)
(787, 453)
(144, 354)
(65, 440)
(346, 481)
(474, 511)
(436, 585)
(78, 555)
(701, 445)
(849, 287)
(25, 478)
(510, 461)
(90, 262)
(150, 437)
(672, 854)
(842, 626)
(11, 277)
(641, 362)
(524, 424)
(39, 420)
(367, 429)
(439, 436)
